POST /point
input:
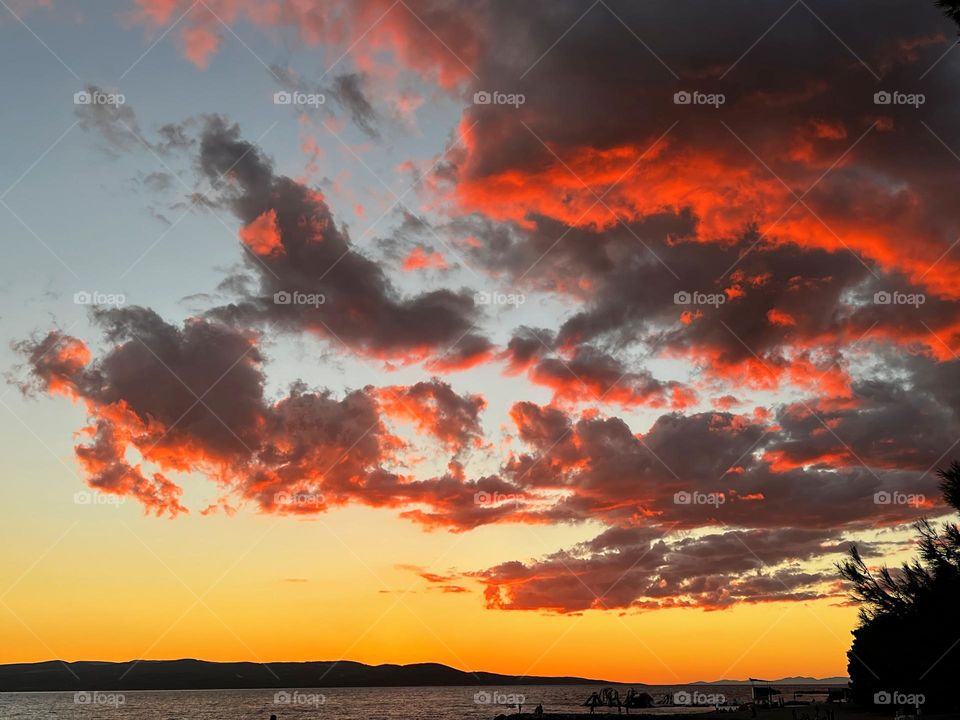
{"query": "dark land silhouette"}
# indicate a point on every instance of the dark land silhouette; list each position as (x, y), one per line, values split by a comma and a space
(907, 643)
(203, 675)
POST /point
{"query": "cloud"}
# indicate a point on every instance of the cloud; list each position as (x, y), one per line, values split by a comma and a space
(701, 469)
(313, 279)
(417, 35)
(590, 375)
(191, 399)
(746, 211)
(442, 583)
(436, 409)
(349, 92)
(421, 259)
(107, 113)
(634, 568)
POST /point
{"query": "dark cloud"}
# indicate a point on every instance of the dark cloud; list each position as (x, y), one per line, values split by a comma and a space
(107, 112)
(637, 569)
(158, 181)
(600, 204)
(346, 89)
(754, 240)
(806, 467)
(779, 315)
(311, 276)
(349, 92)
(191, 399)
(590, 375)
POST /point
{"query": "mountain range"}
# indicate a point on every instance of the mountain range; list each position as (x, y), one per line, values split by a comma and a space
(202, 675)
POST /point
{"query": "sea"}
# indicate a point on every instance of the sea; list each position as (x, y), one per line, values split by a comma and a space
(436, 703)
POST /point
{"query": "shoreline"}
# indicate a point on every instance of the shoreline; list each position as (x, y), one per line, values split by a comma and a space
(795, 712)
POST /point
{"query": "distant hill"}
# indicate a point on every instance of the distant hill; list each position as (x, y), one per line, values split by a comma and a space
(202, 675)
(782, 681)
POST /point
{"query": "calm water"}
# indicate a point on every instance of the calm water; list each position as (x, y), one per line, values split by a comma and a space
(448, 703)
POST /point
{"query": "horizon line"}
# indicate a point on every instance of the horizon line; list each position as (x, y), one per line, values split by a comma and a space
(427, 662)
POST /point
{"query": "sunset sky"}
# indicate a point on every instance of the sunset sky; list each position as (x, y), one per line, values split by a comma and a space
(535, 337)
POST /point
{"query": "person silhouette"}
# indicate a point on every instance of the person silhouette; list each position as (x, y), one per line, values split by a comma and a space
(538, 710)
(592, 701)
(615, 700)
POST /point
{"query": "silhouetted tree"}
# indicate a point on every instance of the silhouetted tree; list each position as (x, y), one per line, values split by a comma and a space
(908, 637)
(951, 8)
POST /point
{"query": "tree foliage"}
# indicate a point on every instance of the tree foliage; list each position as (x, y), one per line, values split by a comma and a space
(908, 637)
(951, 8)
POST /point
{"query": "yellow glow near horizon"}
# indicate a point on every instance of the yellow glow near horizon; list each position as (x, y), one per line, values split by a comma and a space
(119, 586)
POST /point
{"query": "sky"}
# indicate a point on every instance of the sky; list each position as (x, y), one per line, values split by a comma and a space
(539, 338)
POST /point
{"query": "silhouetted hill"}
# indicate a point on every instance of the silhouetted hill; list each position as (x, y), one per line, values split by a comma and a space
(802, 680)
(202, 675)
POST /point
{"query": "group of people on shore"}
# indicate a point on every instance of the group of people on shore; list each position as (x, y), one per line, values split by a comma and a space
(610, 697)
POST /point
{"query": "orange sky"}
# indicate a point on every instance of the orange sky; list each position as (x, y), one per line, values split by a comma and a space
(116, 587)
(490, 336)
